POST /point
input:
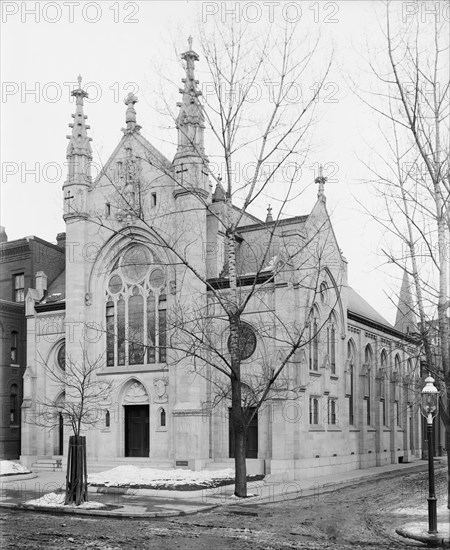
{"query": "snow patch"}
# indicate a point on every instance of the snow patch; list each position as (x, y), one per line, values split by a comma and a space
(56, 500)
(133, 475)
(7, 467)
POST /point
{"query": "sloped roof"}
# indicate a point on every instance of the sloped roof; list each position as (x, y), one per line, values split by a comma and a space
(162, 161)
(57, 290)
(357, 304)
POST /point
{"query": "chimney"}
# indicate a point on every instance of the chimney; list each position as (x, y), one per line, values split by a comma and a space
(3, 235)
(41, 283)
(61, 240)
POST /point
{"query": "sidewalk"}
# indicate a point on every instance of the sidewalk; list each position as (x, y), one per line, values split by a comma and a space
(140, 503)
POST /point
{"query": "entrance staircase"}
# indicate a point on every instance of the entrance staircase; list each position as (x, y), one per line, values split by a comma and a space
(52, 464)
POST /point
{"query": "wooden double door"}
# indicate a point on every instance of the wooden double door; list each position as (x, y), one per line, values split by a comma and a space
(137, 431)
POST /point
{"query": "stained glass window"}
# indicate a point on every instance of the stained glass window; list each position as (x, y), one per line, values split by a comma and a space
(136, 309)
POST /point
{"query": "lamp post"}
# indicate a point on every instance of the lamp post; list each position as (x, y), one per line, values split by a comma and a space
(429, 409)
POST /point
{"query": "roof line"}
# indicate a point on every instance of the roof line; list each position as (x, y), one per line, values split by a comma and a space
(383, 328)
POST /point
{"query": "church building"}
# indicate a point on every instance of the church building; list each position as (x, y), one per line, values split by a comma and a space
(144, 247)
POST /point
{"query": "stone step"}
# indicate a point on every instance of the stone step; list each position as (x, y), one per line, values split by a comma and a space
(47, 467)
(53, 463)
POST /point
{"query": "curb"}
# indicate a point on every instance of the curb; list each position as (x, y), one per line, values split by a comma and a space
(435, 541)
(158, 493)
(104, 513)
(6, 478)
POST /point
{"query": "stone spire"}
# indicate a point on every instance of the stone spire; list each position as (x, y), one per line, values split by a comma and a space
(269, 214)
(79, 151)
(406, 320)
(320, 180)
(190, 121)
(219, 192)
(130, 117)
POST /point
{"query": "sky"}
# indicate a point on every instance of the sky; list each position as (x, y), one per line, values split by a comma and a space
(120, 47)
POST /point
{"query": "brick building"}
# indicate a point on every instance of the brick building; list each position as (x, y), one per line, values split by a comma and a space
(24, 263)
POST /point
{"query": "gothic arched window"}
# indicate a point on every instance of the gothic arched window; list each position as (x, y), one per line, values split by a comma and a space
(396, 383)
(383, 375)
(323, 291)
(13, 406)
(351, 374)
(162, 418)
(136, 309)
(331, 344)
(368, 356)
(14, 347)
(314, 340)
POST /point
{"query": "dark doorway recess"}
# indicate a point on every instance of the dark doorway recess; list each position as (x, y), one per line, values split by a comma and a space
(251, 442)
(137, 430)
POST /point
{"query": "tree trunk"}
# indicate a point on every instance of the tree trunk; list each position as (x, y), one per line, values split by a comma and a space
(447, 440)
(76, 476)
(240, 487)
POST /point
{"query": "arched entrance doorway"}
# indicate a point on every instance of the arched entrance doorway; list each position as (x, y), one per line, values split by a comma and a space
(137, 421)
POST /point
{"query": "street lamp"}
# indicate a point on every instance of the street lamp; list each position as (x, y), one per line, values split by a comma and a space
(429, 410)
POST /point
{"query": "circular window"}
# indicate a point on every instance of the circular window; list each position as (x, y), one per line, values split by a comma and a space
(157, 278)
(247, 341)
(61, 357)
(115, 284)
(136, 263)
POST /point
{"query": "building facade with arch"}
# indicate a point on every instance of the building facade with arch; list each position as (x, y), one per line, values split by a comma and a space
(141, 240)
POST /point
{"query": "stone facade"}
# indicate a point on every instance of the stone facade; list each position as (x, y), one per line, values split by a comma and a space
(145, 241)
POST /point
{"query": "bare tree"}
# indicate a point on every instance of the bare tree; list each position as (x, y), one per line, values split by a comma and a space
(80, 408)
(412, 175)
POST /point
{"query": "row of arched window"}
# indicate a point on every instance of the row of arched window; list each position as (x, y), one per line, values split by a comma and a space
(383, 379)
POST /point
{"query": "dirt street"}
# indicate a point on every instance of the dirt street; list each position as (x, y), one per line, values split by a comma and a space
(356, 516)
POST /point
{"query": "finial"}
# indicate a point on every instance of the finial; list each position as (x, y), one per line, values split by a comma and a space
(219, 192)
(190, 39)
(130, 117)
(321, 179)
(79, 80)
(269, 214)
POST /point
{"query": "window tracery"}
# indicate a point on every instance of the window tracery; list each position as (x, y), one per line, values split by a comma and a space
(135, 311)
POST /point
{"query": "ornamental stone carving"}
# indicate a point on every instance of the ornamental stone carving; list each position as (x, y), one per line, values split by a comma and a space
(160, 385)
(136, 395)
